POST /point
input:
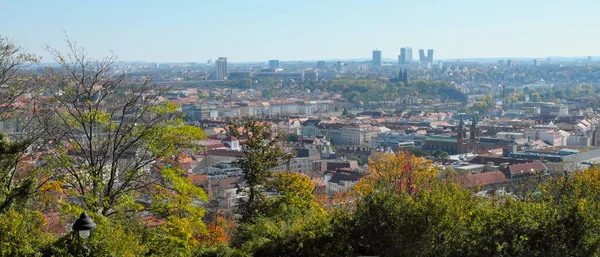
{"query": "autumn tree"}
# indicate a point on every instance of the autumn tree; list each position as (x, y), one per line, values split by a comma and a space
(400, 173)
(107, 129)
(292, 224)
(262, 152)
(19, 180)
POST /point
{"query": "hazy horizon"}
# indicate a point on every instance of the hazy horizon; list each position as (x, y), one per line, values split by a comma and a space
(244, 31)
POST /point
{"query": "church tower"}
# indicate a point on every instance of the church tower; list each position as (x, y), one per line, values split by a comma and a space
(474, 133)
(461, 133)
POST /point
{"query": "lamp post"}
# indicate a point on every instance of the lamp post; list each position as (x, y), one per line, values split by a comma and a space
(84, 225)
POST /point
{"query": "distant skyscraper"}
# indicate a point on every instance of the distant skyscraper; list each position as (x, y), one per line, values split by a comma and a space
(422, 55)
(221, 68)
(339, 66)
(377, 58)
(405, 55)
(536, 62)
(430, 55)
(321, 64)
(273, 64)
(589, 59)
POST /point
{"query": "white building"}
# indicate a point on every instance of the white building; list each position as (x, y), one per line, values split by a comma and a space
(339, 182)
(555, 137)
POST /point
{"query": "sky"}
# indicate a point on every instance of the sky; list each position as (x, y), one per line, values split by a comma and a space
(259, 30)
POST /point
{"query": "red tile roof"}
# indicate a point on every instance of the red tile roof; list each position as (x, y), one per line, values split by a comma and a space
(526, 167)
(483, 179)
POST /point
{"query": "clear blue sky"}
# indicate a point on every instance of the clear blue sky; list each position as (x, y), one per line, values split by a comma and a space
(258, 30)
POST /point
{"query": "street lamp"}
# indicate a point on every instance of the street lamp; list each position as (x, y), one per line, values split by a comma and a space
(84, 225)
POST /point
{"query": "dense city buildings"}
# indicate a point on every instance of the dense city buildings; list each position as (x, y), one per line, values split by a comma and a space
(236, 128)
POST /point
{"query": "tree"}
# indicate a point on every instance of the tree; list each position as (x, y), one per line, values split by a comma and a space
(262, 151)
(176, 201)
(398, 172)
(358, 160)
(13, 58)
(292, 138)
(23, 233)
(19, 180)
(295, 191)
(108, 129)
(345, 112)
(292, 224)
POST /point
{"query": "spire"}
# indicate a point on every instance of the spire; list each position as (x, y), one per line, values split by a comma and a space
(474, 122)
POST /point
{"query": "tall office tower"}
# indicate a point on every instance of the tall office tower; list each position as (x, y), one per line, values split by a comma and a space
(430, 55)
(273, 64)
(221, 68)
(422, 55)
(405, 55)
(377, 58)
(321, 64)
(339, 66)
(536, 62)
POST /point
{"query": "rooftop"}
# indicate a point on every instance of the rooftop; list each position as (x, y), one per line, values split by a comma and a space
(483, 179)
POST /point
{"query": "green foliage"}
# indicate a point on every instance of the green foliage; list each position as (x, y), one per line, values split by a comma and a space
(358, 160)
(295, 191)
(112, 237)
(22, 233)
(292, 224)
(220, 251)
(482, 106)
(18, 183)
(263, 152)
(292, 138)
(177, 202)
(297, 235)
(106, 129)
(176, 196)
(437, 154)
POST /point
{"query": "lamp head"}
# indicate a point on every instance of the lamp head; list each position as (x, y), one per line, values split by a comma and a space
(84, 225)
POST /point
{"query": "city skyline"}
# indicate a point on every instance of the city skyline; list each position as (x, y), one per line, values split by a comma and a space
(190, 31)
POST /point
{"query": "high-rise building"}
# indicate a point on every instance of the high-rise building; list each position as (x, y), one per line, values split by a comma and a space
(511, 63)
(422, 55)
(377, 58)
(536, 62)
(273, 64)
(339, 66)
(430, 55)
(221, 64)
(321, 64)
(405, 55)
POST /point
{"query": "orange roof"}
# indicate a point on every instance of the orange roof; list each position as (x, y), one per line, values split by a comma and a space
(486, 178)
(198, 178)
